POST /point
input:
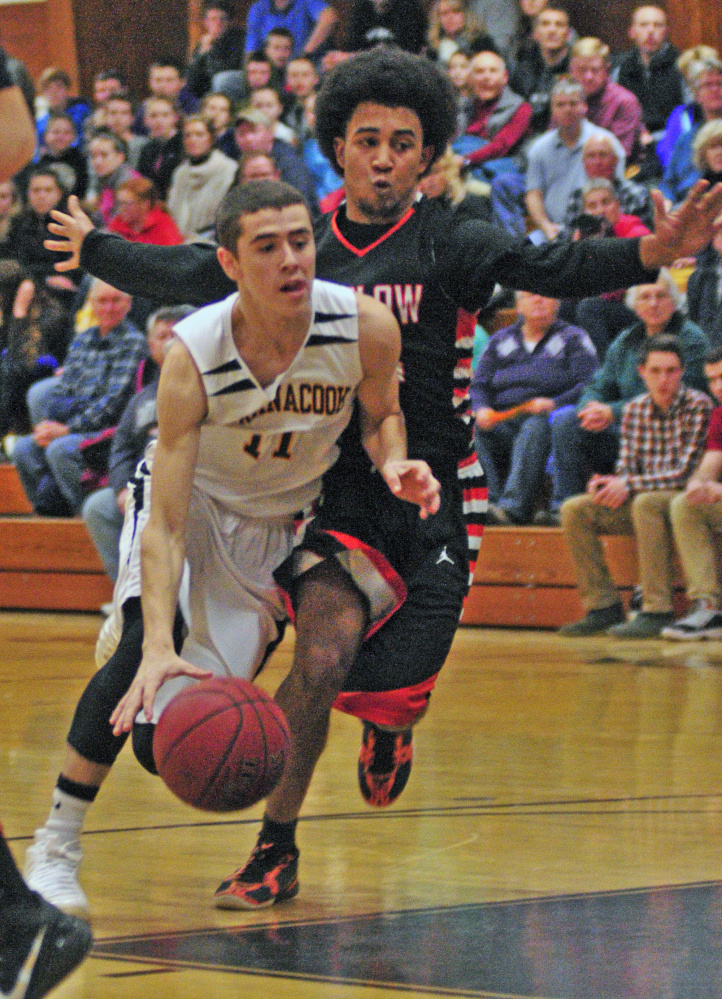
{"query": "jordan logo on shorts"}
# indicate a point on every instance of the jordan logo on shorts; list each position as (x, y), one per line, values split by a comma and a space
(444, 557)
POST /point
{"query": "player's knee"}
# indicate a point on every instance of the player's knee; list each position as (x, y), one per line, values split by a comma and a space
(143, 747)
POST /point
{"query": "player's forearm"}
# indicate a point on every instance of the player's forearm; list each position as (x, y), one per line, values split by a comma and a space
(162, 557)
(17, 129)
(385, 440)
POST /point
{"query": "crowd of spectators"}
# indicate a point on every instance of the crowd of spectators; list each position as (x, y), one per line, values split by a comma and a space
(558, 138)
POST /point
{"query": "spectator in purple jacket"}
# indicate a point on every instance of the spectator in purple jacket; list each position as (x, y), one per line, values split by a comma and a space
(609, 105)
(537, 360)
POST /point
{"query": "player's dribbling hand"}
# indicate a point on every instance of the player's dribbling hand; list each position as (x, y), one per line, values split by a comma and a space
(151, 675)
(414, 482)
(73, 227)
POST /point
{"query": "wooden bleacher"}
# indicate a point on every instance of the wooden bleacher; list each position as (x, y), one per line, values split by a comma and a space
(524, 576)
(45, 563)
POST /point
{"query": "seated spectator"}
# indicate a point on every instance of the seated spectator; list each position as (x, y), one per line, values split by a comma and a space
(537, 360)
(38, 330)
(201, 181)
(387, 22)
(605, 316)
(104, 510)
(662, 440)
(254, 134)
(325, 178)
(218, 110)
(278, 48)
(29, 229)
(555, 168)
(650, 71)
(585, 439)
(166, 78)
(108, 159)
(220, 49)
(682, 171)
(600, 159)
(141, 218)
(707, 151)
(301, 82)
(60, 151)
(266, 99)
(696, 516)
(309, 23)
(163, 151)
(257, 166)
(521, 40)
(538, 68)
(54, 87)
(10, 207)
(704, 298)
(457, 69)
(444, 180)
(609, 105)
(96, 382)
(119, 116)
(685, 116)
(105, 83)
(497, 122)
(454, 27)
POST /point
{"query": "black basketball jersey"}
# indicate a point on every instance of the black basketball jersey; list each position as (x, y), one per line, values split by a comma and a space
(426, 267)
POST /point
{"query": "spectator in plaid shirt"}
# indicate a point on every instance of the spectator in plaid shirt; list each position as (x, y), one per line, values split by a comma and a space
(662, 441)
(88, 396)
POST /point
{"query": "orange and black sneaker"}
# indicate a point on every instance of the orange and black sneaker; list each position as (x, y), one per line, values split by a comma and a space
(270, 876)
(384, 764)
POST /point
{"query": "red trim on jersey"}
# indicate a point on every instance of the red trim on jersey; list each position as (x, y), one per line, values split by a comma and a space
(361, 253)
(396, 708)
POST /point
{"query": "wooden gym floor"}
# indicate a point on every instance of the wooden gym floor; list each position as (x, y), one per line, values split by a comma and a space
(560, 837)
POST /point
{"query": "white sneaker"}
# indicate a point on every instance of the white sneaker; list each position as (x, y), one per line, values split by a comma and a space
(51, 869)
(703, 622)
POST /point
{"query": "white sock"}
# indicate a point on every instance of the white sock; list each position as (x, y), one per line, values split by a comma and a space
(67, 815)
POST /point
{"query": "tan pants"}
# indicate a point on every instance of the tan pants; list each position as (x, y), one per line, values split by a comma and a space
(647, 517)
(694, 526)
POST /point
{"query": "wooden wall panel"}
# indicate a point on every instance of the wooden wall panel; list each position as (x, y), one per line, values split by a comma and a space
(128, 35)
(24, 34)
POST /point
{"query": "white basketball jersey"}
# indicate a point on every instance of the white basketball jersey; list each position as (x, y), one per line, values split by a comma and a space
(263, 450)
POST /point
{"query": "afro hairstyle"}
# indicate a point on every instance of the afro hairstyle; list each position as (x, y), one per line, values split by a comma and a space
(392, 78)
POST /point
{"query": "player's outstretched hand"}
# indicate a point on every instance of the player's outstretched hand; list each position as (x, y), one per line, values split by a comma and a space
(73, 227)
(414, 482)
(152, 674)
(685, 230)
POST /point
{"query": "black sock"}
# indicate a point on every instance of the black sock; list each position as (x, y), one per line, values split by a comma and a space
(86, 792)
(12, 887)
(281, 834)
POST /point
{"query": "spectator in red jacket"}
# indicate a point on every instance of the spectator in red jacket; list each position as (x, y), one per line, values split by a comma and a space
(141, 218)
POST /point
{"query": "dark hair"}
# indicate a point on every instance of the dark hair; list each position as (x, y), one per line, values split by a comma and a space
(60, 116)
(666, 343)
(121, 95)
(395, 79)
(112, 74)
(175, 64)
(281, 32)
(47, 171)
(713, 355)
(121, 146)
(245, 199)
(223, 5)
(558, 6)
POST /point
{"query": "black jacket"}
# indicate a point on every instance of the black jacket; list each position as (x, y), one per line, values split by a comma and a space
(658, 87)
(703, 298)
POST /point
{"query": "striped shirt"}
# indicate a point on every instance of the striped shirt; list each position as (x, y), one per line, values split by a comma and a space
(660, 450)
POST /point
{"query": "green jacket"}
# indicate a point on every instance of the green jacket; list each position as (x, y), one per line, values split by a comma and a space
(618, 380)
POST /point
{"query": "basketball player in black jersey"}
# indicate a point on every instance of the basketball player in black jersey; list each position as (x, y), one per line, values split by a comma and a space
(383, 117)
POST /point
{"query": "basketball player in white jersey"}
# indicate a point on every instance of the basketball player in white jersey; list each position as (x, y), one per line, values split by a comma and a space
(252, 398)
